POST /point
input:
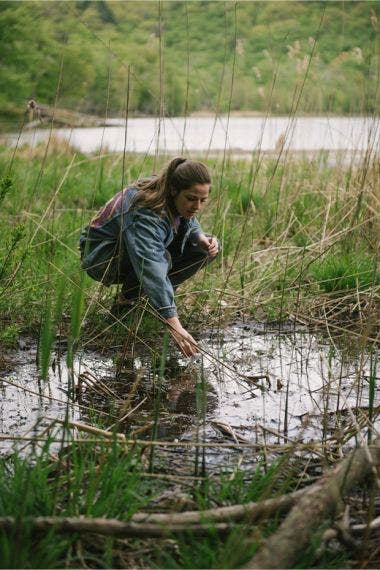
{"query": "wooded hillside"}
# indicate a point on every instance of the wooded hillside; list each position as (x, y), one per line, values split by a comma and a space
(190, 56)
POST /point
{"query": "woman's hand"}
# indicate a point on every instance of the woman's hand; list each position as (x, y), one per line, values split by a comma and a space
(209, 244)
(185, 341)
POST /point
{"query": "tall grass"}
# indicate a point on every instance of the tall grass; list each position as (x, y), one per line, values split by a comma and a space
(299, 240)
(88, 480)
(299, 243)
(372, 392)
(157, 387)
(99, 480)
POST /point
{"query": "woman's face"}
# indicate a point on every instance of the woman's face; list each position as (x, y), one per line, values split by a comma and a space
(190, 201)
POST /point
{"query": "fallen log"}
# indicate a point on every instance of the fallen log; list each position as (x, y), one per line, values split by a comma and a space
(319, 502)
(251, 512)
(154, 525)
(107, 527)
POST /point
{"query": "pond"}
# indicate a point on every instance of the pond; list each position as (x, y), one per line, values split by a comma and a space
(255, 385)
(237, 135)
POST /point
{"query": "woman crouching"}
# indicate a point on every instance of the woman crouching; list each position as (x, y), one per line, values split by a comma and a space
(148, 239)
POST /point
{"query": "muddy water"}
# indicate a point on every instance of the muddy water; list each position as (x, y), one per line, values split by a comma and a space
(253, 384)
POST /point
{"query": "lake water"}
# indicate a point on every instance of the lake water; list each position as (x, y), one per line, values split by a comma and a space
(236, 135)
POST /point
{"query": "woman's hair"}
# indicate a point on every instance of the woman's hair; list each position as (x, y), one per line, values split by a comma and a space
(157, 193)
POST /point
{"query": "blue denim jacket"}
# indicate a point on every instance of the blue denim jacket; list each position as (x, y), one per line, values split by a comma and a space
(120, 239)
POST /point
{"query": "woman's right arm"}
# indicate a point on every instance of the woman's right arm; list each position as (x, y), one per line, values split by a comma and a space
(144, 238)
(145, 235)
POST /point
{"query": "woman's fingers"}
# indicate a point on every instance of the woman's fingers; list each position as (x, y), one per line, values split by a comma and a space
(213, 246)
(187, 347)
(209, 244)
(186, 343)
(213, 249)
(191, 346)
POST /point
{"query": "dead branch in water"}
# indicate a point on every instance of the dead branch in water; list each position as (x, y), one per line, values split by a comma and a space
(42, 114)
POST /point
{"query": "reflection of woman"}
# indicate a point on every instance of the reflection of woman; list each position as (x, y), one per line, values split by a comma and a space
(147, 238)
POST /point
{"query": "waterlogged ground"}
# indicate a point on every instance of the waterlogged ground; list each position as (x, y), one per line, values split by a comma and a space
(254, 384)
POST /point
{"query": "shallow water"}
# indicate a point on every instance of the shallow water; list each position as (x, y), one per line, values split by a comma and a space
(307, 381)
(253, 384)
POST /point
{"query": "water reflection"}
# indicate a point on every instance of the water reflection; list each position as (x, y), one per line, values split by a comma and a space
(306, 383)
(252, 384)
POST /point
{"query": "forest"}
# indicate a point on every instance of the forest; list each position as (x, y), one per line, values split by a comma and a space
(185, 57)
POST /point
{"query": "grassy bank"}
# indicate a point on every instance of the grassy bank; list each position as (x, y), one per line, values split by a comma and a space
(93, 481)
(299, 239)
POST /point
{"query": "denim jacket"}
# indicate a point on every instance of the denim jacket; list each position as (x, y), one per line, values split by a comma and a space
(119, 240)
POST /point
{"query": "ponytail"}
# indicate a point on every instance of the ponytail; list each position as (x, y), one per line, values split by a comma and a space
(172, 166)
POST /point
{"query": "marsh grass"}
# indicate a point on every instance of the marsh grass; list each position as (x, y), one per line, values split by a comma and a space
(157, 387)
(234, 551)
(338, 272)
(373, 381)
(299, 239)
(282, 245)
(92, 481)
(95, 480)
(50, 322)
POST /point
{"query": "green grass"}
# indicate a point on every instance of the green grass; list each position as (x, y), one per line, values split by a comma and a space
(88, 480)
(339, 272)
(104, 481)
(276, 239)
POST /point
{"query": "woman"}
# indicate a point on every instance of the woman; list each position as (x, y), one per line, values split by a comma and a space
(147, 238)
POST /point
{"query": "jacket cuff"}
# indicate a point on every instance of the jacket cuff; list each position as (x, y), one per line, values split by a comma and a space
(168, 312)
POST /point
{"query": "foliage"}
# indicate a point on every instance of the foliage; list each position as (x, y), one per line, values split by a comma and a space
(102, 483)
(9, 335)
(98, 480)
(288, 236)
(5, 187)
(183, 56)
